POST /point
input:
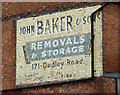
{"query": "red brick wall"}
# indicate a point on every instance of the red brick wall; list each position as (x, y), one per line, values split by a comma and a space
(110, 38)
(119, 36)
(12, 11)
(97, 85)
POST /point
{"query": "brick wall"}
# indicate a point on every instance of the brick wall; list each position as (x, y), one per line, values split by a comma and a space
(12, 11)
(110, 38)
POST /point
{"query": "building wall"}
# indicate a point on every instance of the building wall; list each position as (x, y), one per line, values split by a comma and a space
(12, 11)
(110, 38)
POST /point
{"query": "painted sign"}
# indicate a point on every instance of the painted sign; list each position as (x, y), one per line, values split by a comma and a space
(56, 47)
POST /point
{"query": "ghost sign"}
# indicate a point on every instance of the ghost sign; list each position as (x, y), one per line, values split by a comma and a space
(55, 47)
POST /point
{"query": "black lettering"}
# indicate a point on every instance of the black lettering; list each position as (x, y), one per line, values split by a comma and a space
(44, 65)
(88, 19)
(39, 27)
(76, 62)
(54, 25)
(67, 75)
(49, 66)
(69, 20)
(72, 62)
(35, 66)
(24, 30)
(98, 15)
(28, 29)
(84, 21)
(70, 75)
(40, 78)
(20, 31)
(47, 26)
(32, 66)
(77, 21)
(32, 29)
(81, 61)
(68, 62)
(62, 23)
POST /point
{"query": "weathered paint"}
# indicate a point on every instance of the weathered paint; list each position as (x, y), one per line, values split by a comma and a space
(68, 24)
(58, 47)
